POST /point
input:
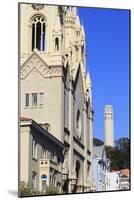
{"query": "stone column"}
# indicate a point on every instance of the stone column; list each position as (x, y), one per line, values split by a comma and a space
(85, 149)
(71, 133)
(41, 37)
(35, 36)
(91, 142)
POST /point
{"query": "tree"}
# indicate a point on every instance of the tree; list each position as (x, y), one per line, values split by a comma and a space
(51, 190)
(27, 190)
(120, 154)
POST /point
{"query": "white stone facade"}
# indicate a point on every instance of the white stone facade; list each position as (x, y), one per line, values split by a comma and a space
(55, 90)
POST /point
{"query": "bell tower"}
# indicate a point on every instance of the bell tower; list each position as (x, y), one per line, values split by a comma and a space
(42, 65)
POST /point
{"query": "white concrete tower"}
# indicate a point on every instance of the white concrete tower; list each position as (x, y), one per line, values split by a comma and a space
(108, 126)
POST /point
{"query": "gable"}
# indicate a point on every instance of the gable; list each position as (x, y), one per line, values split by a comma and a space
(34, 61)
(34, 75)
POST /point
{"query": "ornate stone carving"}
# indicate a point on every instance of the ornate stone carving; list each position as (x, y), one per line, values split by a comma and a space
(73, 174)
(65, 164)
(42, 67)
(70, 86)
(37, 6)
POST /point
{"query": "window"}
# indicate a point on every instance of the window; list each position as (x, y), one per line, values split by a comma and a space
(34, 177)
(43, 153)
(54, 181)
(82, 50)
(38, 33)
(44, 180)
(26, 99)
(57, 44)
(78, 123)
(34, 149)
(34, 99)
(52, 156)
(41, 98)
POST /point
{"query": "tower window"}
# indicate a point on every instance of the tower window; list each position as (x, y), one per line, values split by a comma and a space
(82, 50)
(38, 33)
(57, 44)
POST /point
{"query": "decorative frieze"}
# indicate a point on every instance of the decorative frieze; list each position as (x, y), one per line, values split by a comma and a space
(41, 66)
(37, 6)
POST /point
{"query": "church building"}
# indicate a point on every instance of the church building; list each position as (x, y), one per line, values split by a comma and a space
(56, 113)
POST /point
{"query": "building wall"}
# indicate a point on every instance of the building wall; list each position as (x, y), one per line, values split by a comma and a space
(44, 72)
(49, 165)
(53, 103)
(100, 168)
(113, 181)
(24, 153)
(95, 173)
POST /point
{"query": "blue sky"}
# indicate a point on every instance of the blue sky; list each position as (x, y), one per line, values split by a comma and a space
(107, 45)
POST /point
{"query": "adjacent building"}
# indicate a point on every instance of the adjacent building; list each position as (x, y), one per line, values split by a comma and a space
(101, 168)
(55, 100)
(113, 181)
(124, 179)
(41, 156)
(118, 180)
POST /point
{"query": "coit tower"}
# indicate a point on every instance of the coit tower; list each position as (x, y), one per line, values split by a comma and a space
(108, 126)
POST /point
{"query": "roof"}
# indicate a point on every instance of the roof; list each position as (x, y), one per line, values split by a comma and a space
(125, 172)
(98, 151)
(41, 130)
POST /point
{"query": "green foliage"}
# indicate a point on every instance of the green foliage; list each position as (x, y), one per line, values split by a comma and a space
(97, 142)
(52, 190)
(27, 190)
(120, 154)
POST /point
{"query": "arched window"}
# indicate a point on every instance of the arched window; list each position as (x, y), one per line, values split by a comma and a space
(82, 50)
(38, 33)
(44, 181)
(44, 153)
(34, 149)
(57, 44)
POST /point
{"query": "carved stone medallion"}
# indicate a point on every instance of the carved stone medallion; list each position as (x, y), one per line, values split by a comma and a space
(37, 6)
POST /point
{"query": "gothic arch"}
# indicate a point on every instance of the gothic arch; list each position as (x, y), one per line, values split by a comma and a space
(38, 24)
(78, 169)
(31, 17)
(57, 44)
